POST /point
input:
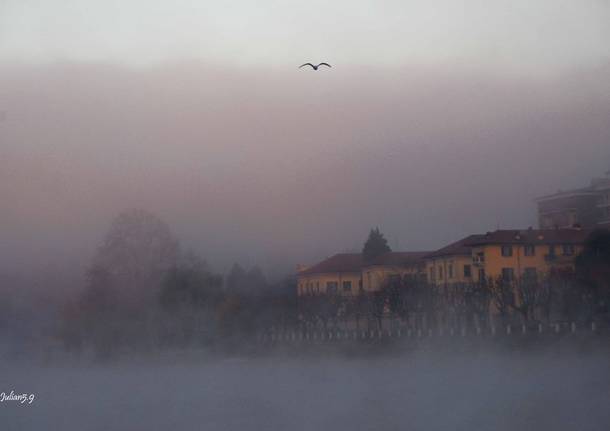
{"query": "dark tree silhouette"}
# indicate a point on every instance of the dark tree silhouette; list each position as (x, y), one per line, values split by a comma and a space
(236, 281)
(593, 271)
(375, 245)
(137, 251)
(190, 286)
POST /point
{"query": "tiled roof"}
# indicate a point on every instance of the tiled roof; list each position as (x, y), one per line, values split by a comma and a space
(568, 193)
(342, 262)
(533, 236)
(461, 247)
(397, 258)
(353, 262)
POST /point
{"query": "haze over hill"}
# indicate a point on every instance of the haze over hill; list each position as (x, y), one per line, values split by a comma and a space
(280, 167)
(436, 121)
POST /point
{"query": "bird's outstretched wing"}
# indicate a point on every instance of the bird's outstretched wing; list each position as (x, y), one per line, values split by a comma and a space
(324, 64)
(307, 64)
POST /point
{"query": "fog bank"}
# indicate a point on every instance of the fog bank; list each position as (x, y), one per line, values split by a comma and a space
(280, 166)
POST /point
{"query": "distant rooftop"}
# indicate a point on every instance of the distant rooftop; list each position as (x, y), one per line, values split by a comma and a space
(341, 262)
(533, 236)
(461, 247)
(398, 258)
(353, 262)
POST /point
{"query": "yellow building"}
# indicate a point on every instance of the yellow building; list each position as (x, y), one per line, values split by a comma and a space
(452, 264)
(347, 273)
(509, 254)
(341, 273)
(512, 254)
(393, 264)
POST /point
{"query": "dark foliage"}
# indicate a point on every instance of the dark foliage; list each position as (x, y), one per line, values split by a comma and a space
(375, 245)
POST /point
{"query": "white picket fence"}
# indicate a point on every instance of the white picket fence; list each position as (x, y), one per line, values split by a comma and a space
(329, 336)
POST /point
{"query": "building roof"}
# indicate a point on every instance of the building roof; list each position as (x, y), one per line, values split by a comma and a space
(341, 262)
(397, 258)
(461, 247)
(533, 236)
(584, 191)
(353, 262)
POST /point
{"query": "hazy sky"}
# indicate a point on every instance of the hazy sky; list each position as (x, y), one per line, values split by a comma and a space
(196, 111)
(516, 34)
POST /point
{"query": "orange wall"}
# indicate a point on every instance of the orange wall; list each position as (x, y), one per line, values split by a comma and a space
(494, 261)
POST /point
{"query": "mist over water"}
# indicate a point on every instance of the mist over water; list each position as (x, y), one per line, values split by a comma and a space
(147, 146)
(422, 391)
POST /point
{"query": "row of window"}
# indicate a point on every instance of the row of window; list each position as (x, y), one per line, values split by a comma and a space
(530, 250)
(507, 273)
(467, 270)
(331, 287)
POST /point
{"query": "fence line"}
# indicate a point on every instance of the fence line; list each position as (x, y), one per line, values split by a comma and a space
(338, 335)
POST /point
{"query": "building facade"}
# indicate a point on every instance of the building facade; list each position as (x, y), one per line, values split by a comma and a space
(349, 274)
(341, 273)
(376, 273)
(452, 264)
(586, 207)
(513, 254)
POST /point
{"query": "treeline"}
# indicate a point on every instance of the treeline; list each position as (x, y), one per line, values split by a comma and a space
(580, 295)
(143, 292)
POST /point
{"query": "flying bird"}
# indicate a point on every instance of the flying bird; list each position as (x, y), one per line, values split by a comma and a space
(314, 66)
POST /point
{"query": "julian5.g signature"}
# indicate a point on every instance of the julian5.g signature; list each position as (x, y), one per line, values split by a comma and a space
(20, 398)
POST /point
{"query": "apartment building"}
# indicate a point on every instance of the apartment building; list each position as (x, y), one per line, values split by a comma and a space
(587, 207)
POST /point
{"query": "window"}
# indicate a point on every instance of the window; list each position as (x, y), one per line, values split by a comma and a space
(508, 274)
(467, 271)
(450, 270)
(347, 286)
(529, 273)
(551, 250)
(529, 250)
(482, 276)
(331, 286)
(568, 250)
(507, 250)
(431, 274)
(440, 272)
